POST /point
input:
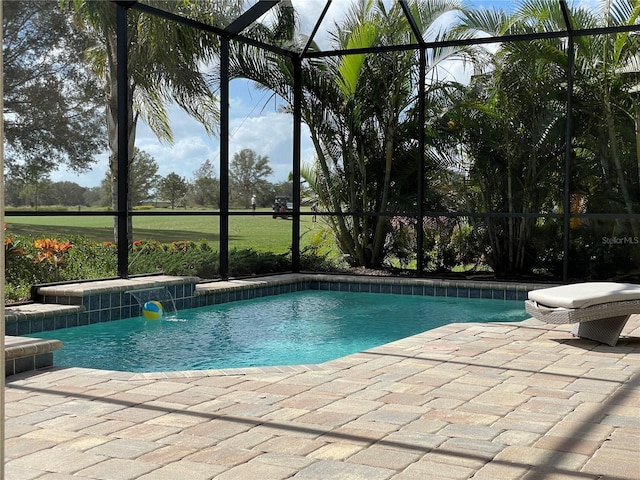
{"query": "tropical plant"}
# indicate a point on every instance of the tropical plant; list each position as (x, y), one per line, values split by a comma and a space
(361, 112)
(51, 251)
(514, 127)
(608, 108)
(165, 67)
(14, 252)
(514, 135)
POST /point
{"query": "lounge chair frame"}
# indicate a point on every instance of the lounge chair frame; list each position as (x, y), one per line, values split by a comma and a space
(603, 322)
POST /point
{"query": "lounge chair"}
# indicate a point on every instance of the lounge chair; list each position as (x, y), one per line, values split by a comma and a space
(599, 310)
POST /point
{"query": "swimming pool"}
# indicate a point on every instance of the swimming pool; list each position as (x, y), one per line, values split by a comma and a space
(304, 327)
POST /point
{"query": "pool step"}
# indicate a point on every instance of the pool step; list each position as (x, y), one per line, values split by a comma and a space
(23, 354)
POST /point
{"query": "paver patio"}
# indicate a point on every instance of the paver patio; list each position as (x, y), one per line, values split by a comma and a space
(481, 401)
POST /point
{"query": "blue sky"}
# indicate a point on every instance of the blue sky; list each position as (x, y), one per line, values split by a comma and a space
(255, 121)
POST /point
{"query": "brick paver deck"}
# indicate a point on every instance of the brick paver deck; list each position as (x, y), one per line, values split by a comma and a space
(481, 401)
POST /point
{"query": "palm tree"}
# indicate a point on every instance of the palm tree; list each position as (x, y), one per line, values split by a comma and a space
(606, 101)
(359, 109)
(529, 79)
(165, 66)
(514, 122)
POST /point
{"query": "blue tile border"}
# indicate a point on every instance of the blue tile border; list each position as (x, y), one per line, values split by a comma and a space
(104, 301)
(103, 306)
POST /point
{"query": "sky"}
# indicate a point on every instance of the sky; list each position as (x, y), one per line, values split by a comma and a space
(255, 123)
(255, 120)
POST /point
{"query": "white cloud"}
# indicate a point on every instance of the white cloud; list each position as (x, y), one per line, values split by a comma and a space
(271, 135)
(253, 125)
(309, 13)
(182, 157)
(262, 134)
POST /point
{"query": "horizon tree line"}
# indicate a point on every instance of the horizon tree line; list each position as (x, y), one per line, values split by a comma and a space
(147, 187)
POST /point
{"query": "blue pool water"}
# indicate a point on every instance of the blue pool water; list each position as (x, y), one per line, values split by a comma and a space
(298, 328)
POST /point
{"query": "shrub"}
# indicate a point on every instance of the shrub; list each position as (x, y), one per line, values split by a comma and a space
(50, 257)
(199, 259)
(313, 261)
(31, 261)
(20, 269)
(250, 262)
(195, 261)
(88, 259)
(401, 240)
(17, 260)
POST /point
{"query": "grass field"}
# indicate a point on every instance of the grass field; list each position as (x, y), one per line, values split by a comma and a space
(259, 232)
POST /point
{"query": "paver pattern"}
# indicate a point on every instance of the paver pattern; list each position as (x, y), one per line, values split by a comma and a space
(481, 401)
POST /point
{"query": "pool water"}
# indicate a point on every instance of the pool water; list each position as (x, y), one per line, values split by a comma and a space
(298, 328)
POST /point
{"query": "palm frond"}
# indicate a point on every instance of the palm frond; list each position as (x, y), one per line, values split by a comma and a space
(488, 22)
(350, 66)
(150, 105)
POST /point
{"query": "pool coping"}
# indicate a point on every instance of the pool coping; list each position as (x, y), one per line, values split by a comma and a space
(83, 303)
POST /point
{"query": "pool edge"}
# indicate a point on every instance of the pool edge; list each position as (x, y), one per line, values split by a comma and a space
(71, 305)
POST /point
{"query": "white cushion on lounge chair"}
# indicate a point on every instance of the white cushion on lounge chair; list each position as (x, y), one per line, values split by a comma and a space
(582, 295)
(599, 310)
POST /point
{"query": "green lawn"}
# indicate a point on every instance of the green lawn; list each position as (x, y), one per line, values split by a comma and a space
(261, 233)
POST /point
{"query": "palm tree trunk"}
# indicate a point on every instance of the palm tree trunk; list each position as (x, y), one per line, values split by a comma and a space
(362, 171)
(615, 154)
(345, 240)
(359, 234)
(525, 227)
(382, 221)
(510, 239)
